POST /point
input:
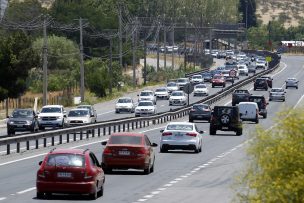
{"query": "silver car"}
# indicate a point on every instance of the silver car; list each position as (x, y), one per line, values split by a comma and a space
(292, 82)
(277, 94)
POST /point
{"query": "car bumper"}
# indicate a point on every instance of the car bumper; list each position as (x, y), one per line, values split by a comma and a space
(65, 187)
(20, 128)
(121, 109)
(200, 93)
(179, 144)
(276, 97)
(199, 117)
(125, 163)
(56, 123)
(226, 128)
(144, 113)
(177, 102)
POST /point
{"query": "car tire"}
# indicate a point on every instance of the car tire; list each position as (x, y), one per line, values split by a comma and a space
(212, 131)
(296, 87)
(107, 170)
(100, 192)
(257, 119)
(239, 132)
(286, 87)
(196, 151)
(226, 118)
(224, 85)
(190, 120)
(270, 99)
(94, 195)
(212, 86)
(163, 150)
(152, 167)
(40, 195)
(147, 171)
(265, 115)
(41, 128)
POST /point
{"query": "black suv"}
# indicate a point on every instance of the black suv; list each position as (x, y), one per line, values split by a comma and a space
(22, 120)
(200, 112)
(262, 104)
(226, 118)
(240, 96)
(260, 83)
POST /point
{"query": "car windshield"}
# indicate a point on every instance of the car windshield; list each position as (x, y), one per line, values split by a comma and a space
(291, 79)
(78, 113)
(260, 81)
(120, 139)
(173, 84)
(277, 90)
(161, 90)
(255, 99)
(51, 110)
(197, 77)
(200, 86)
(241, 91)
(145, 104)
(200, 107)
(67, 160)
(84, 107)
(182, 80)
(228, 111)
(125, 100)
(146, 94)
(217, 77)
(206, 74)
(177, 94)
(22, 114)
(183, 127)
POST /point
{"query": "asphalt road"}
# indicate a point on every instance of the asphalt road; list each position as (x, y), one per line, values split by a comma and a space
(178, 177)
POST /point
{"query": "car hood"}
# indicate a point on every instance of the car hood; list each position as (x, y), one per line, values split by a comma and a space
(78, 118)
(20, 119)
(146, 97)
(177, 97)
(124, 105)
(145, 107)
(50, 114)
(200, 89)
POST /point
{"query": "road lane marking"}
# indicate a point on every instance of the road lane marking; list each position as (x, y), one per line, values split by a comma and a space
(2, 198)
(26, 190)
(105, 113)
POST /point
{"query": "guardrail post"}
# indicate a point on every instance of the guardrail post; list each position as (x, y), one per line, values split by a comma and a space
(144, 123)
(53, 141)
(87, 134)
(18, 147)
(136, 124)
(109, 127)
(37, 143)
(81, 135)
(153, 122)
(140, 126)
(128, 125)
(8, 149)
(123, 127)
(44, 142)
(68, 137)
(93, 132)
(27, 145)
(119, 128)
(132, 125)
(114, 128)
(98, 132)
(74, 137)
(104, 131)
(60, 139)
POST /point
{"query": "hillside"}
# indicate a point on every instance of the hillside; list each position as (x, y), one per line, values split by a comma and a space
(291, 12)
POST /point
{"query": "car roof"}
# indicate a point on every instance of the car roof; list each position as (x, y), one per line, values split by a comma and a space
(250, 103)
(84, 105)
(277, 88)
(180, 123)
(80, 109)
(128, 134)
(147, 91)
(50, 106)
(142, 101)
(67, 151)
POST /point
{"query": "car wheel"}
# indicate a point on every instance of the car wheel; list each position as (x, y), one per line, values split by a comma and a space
(152, 167)
(39, 195)
(163, 150)
(212, 131)
(212, 86)
(196, 151)
(100, 192)
(224, 85)
(286, 87)
(107, 170)
(190, 120)
(94, 195)
(225, 119)
(200, 149)
(265, 115)
(257, 120)
(147, 171)
(41, 128)
(283, 100)
(254, 89)
(239, 132)
(270, 99)
(296, 87)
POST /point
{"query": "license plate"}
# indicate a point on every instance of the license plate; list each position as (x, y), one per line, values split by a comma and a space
(64, 175)
(19, 126)
(178, 135)
(225, 128)
(199, 116)
(124, 153)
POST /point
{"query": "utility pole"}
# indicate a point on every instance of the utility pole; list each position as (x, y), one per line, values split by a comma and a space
(120, 35)
(165, 50)
(210, 39)
(110, 68)
(81, 63)
(133, 58)
(172, 63)
(158, 47)
(45, 62)
(185, 46)
(145, 61)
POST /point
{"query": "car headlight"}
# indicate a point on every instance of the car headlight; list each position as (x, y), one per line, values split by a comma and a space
(59, 117)
(137, 110)
(29, 122)
(39, 118)
(150, 109)
(11, 122)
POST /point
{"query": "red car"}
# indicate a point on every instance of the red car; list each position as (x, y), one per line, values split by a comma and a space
(218, 80)
(70, 171)
(128, 150)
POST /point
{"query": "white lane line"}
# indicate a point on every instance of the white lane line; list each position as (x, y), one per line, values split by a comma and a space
(148, 196)
(142, 200)
(26, 190)
(155, 192)
(2, 198)
(173, 182)
(168, 185)
(105, 113)
(161, 189)
(300, 100)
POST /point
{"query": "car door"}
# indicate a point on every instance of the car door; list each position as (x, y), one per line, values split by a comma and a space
(97, 170)
(151, 154)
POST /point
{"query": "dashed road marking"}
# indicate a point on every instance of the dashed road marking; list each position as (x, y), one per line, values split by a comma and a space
(26, 190)
(2, 198)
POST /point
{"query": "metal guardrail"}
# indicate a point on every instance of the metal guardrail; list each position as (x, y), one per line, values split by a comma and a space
(119, 125)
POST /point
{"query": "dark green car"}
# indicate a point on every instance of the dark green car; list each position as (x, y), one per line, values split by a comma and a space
(226, 118)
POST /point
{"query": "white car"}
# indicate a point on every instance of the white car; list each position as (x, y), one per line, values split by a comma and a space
(261, 63)
(249, 111)
(292, 82)
(200, 89)
(172, 86)
(177, 98)
(197, 79)
(277, 94)
(147, 95)
(124, 104)
(162, 93)
(181, 82)
(243, 70)
(51, 116)
(145, 108)
(91, 108)
(181, 135)
(79, 117)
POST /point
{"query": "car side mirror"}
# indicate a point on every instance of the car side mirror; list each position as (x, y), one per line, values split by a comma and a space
(104, 143)
(161, 131)
(38, 112)
(154, 145)
(241, 114)
(64, 116)
(7, 116)
(92, 115)
(267, 103)
(201, 132)
(40, 162)
(36, 116)
(64, 111)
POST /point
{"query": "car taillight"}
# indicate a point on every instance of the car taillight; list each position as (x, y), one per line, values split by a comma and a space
(206, 109)
(141, 152)
(87, 176)
(41, 174)
(166, 133)
(107, 152)
(191, 134)
(192, 110)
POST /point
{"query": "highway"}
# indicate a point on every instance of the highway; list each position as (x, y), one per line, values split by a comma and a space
(179, 176)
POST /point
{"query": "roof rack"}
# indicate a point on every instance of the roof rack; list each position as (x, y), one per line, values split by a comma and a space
(85, 151)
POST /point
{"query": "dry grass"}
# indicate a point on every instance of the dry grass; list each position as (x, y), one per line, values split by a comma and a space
(291, 12)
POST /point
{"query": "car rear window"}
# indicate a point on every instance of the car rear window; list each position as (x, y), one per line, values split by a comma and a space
(180, 127)
(200, 107)
(68, 160)
(118, 139)
(221, 111)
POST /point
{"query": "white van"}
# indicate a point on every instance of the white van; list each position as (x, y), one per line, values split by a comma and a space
(249, 111)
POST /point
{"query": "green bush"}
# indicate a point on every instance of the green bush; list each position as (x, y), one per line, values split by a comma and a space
(276, 168)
